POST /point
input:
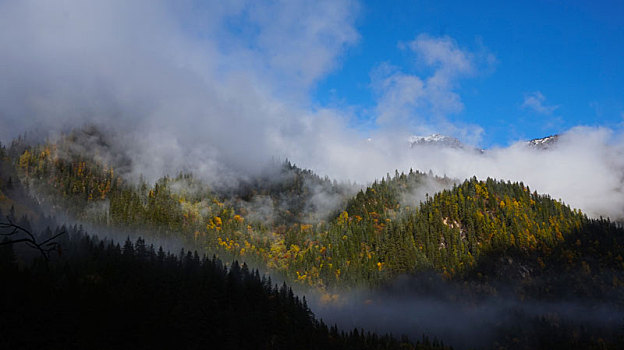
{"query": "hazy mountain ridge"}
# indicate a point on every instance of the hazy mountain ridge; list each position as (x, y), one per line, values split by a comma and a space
(435, 139)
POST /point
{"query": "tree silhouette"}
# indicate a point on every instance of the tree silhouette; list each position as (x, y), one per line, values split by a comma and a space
(45, 247)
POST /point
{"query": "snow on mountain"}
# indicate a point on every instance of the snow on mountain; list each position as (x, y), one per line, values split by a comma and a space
(441, 141)
(438, 140)
(544, 142)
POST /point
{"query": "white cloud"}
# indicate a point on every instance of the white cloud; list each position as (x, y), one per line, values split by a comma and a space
(536, 102)
(300, 40)
(443, 53)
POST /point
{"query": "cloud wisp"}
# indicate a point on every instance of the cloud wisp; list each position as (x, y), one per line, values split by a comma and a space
(536, 102)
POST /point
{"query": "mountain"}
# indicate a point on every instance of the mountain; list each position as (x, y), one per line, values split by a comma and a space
(544, 142)
(440, 141)
(443, 141)
(481, 240)
(373, 236)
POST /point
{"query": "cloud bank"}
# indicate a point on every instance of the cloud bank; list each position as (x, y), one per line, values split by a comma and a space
(220, 89)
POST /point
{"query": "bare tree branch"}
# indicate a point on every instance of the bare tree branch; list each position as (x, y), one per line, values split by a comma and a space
(44, 247)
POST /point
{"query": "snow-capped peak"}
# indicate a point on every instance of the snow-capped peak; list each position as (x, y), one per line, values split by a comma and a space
(544, 142)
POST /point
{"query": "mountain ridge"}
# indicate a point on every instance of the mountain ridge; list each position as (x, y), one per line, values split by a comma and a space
(444, 141)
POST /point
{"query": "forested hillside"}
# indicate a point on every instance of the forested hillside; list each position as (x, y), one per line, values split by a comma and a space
(99, 294)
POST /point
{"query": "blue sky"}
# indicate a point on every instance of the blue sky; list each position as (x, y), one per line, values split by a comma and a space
(563, 58)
